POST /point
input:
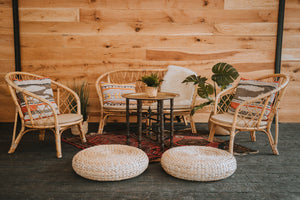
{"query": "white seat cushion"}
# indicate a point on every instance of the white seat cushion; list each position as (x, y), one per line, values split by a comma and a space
(62, 119)
(227, 118)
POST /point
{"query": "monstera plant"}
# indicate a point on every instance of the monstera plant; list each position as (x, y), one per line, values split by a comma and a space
(223, 75)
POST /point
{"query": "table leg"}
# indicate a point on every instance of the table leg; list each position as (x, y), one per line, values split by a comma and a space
(158, 121)
(161, 122)
(127, 121)
(171, 122)
(139, 121)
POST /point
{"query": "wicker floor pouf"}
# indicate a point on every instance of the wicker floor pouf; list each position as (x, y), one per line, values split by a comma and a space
(110, 162)
(198, 163)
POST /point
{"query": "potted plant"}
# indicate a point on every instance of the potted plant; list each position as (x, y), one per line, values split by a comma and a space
(223, 75)
(83, 94)
(152, 82)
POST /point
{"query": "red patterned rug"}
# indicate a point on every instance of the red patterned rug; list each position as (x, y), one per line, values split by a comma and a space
(151, 147)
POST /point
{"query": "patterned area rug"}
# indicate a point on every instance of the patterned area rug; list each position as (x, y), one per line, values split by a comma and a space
(151, 147)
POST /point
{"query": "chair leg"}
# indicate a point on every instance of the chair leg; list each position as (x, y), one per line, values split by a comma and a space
(272, 143)
(192, 123)
(42, 135)
(231, 141)
(82, 135)
(276, 128)
(58, 143)
(212, 132)
(15, 140)
(102, 124)
(253, 136)
(184, 120)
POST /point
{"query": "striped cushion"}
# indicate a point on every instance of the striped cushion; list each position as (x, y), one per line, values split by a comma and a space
(41, 88)
(112, 93)
(247, 89)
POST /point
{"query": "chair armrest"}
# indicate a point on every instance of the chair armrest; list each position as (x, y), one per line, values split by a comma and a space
(67, 100)
(223, 100)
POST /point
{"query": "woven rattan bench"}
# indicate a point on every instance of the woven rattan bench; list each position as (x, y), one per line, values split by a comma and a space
(131, 76)
(110, 162)
(198, 163)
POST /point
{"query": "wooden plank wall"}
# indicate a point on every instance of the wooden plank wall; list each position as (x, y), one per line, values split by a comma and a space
(81, 39)
(291, 62)
(7, 61)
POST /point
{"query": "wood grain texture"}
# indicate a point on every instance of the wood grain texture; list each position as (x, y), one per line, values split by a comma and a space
(226, 56)
(250, 4)
(49, 14)
(91, 37)
(202, 43)
(7, 63)
(292, 97)
(177, 15)
(291, 62)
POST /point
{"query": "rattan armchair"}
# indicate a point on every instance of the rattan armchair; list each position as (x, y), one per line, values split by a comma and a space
(65, 113)
(257, 106)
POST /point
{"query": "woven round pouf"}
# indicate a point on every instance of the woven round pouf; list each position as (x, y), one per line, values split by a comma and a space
(110, 162)
(198, 163)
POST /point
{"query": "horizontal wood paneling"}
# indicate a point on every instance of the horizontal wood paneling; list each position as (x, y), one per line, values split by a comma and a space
(106, 28)
(200, 42)
(82, 39)
(77, 54)
(292, 4)
(292, 28)
(250, 4)
(49, 14)
(177, 16)
(226, 56)
(7, 63)
(127, 4)
(291, 54)
(291, 62)
(291, 41)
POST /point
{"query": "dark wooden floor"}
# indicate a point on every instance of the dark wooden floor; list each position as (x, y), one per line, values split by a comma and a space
(34, 172)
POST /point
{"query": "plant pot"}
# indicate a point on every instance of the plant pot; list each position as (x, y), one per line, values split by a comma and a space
(219, 130)
(151, 91)
(75, 130)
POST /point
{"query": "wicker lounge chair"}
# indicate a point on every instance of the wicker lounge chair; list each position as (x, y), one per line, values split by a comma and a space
(131, 76)
(43, 104)
(254, 113)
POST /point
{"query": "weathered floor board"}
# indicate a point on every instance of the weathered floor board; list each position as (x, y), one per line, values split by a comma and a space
(34, 172)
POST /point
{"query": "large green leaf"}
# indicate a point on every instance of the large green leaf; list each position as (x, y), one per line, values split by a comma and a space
(195, 79)
(224, 74)
(204, 90)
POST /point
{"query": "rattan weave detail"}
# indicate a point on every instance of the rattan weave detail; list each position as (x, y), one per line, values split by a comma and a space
(110, 162)
(198, 163)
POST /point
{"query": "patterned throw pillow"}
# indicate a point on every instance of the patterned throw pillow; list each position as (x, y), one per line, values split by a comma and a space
(112, 93)
(41, 88)
(247, 89)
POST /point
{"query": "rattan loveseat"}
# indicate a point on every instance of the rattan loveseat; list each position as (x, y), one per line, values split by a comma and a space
(125, 76)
